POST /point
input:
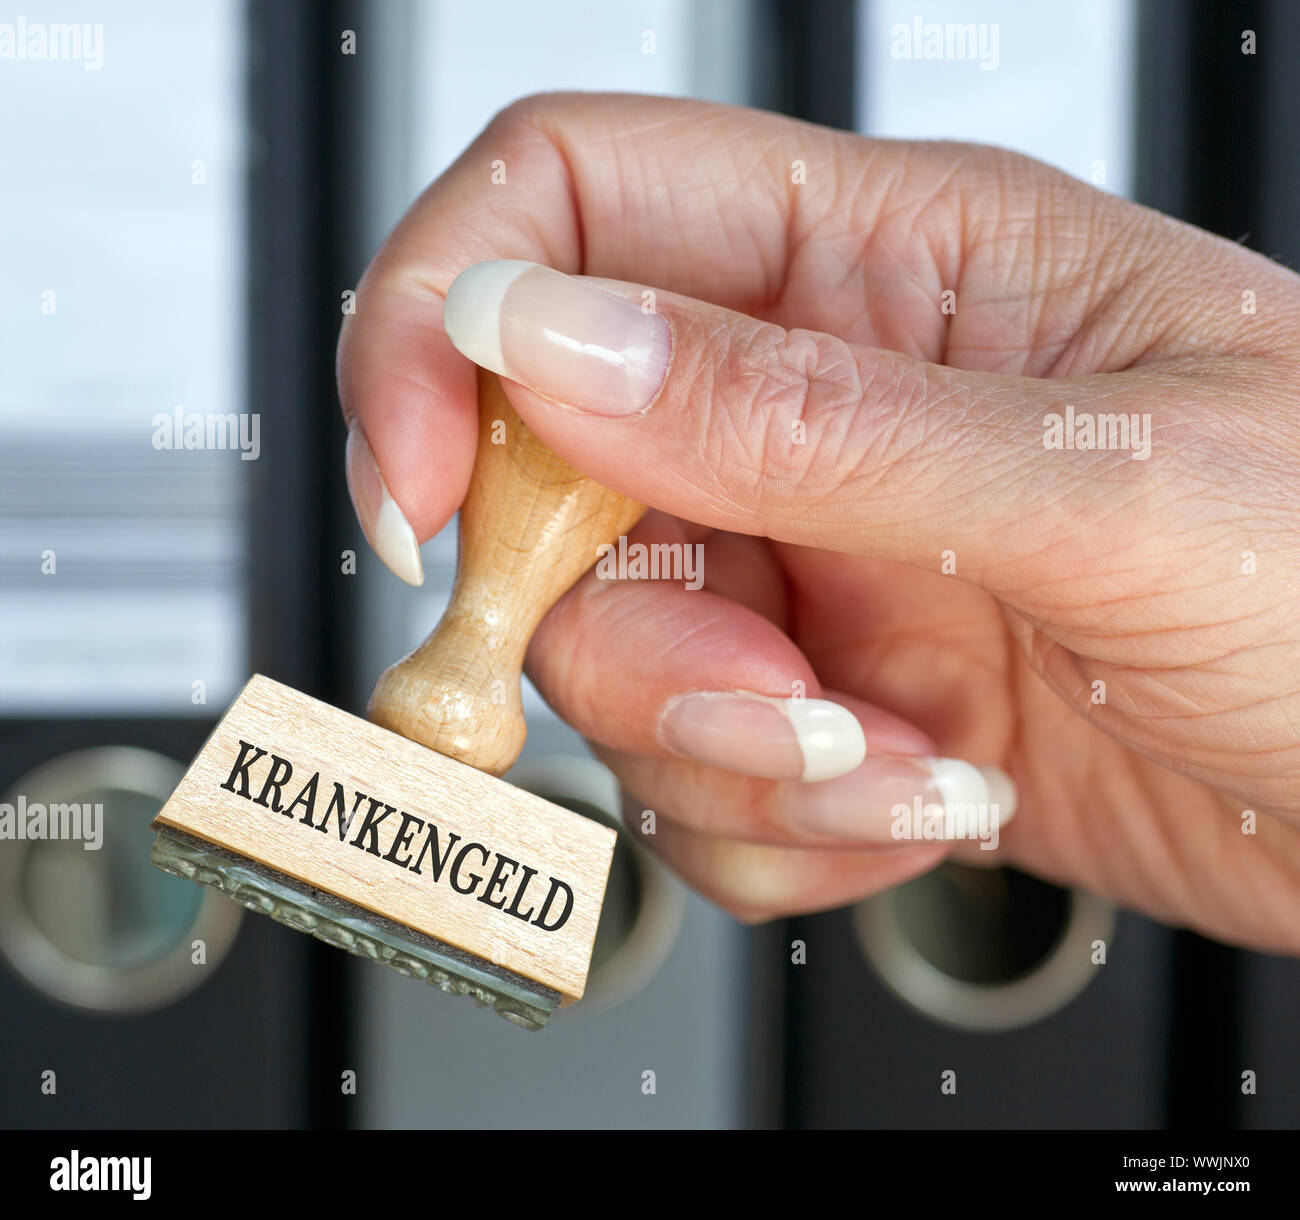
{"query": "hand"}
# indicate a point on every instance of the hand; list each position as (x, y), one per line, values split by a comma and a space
(848, 389)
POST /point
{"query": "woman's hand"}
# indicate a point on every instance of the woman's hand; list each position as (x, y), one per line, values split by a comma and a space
(861, 373)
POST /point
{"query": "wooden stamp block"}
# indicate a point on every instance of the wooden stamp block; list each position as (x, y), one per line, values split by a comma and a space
(337, 803)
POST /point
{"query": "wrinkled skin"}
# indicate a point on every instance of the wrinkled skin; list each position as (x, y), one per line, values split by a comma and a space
(824, 303)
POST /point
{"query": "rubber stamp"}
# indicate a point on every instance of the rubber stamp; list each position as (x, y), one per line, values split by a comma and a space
(395, 837)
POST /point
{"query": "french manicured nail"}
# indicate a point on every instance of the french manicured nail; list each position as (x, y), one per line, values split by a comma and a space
(805, 739)
(905, 799)
(567, 339)
(386, 529)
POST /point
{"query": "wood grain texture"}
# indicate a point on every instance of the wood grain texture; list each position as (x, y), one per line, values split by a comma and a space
(529, 527)
(378, 805)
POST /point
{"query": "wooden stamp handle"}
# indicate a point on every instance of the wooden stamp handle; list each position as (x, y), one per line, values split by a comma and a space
(529, 527)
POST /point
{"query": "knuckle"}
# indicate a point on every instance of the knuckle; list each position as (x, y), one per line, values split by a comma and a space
(527, 134)
(791, 397)
(531, 110)
(548, 115)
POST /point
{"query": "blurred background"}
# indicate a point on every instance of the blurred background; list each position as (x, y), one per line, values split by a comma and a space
(180, 223)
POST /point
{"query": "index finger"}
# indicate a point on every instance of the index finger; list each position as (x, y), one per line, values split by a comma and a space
(575, 182)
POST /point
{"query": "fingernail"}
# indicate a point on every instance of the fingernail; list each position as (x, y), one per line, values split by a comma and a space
(568, 340)
(805, 739)
(906, 799)
(386, 529)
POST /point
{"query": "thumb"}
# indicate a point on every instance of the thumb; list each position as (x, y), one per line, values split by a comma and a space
(796, 435)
